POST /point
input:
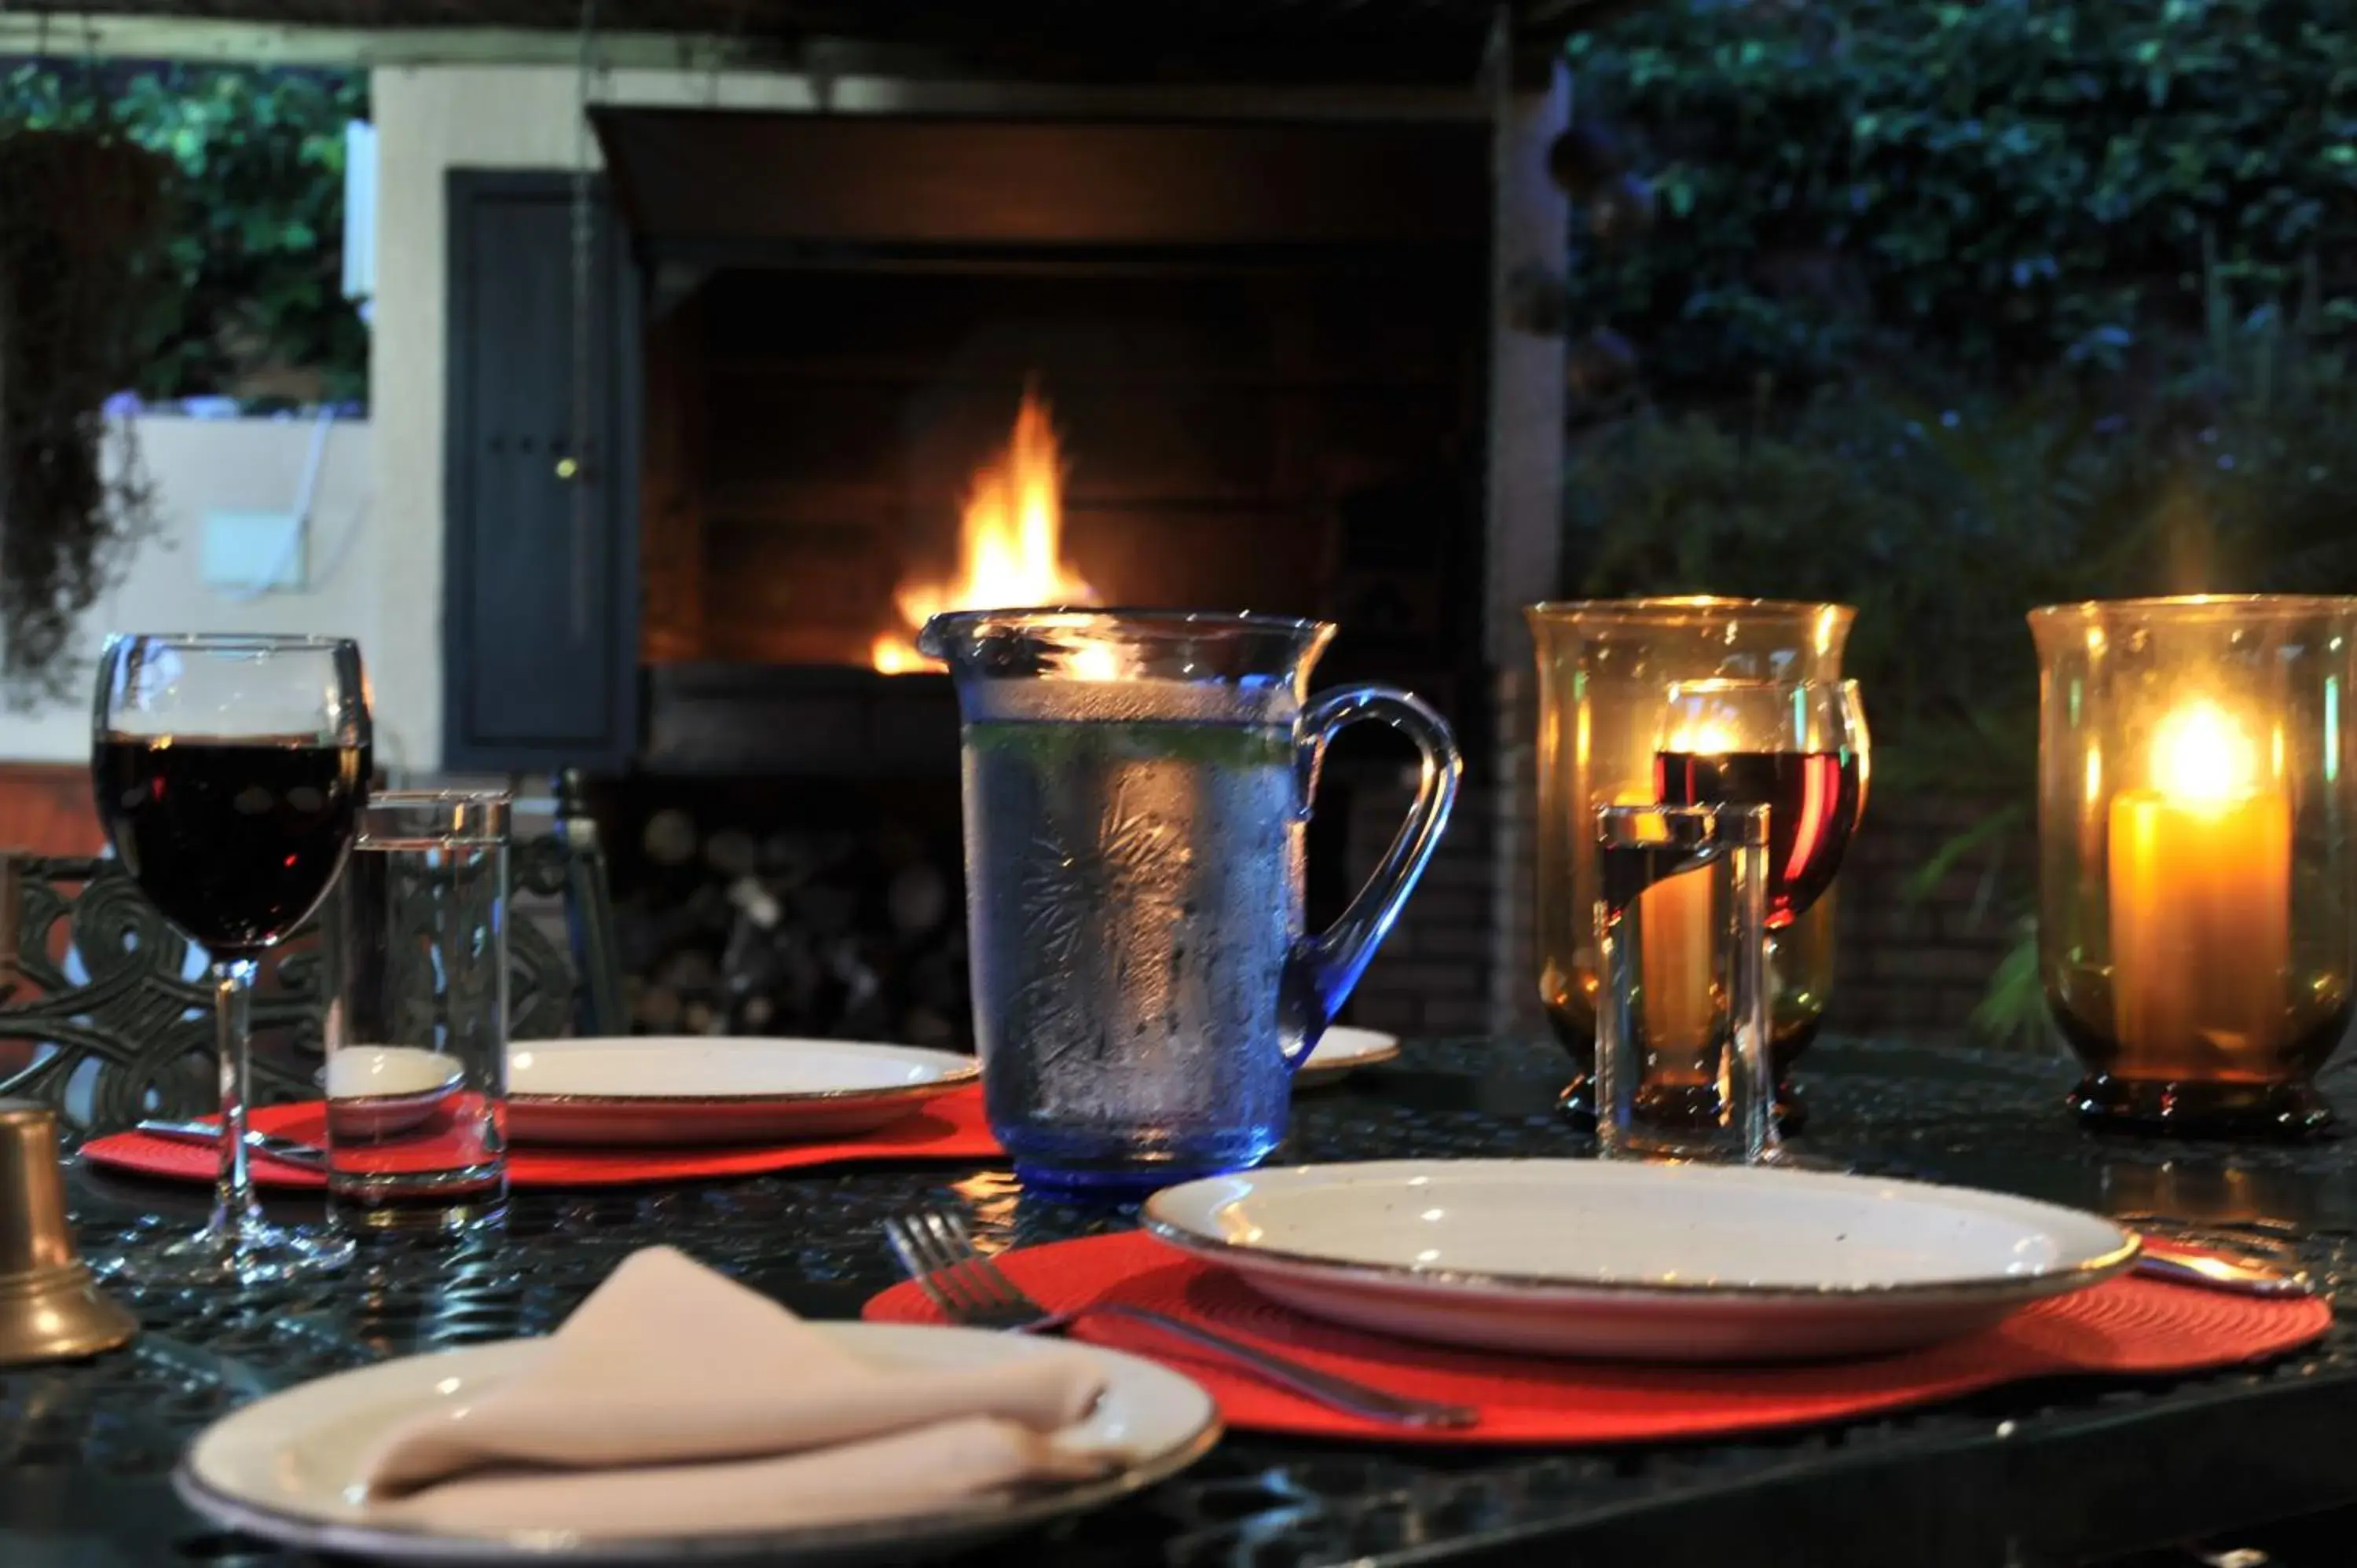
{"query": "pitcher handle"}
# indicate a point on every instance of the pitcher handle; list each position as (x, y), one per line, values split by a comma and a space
(1321, 970)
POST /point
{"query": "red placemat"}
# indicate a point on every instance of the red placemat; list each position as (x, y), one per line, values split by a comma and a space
(2125, 1325)
(950, 1127)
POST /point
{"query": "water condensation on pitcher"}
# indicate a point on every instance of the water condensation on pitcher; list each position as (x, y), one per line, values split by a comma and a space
(1143, 892)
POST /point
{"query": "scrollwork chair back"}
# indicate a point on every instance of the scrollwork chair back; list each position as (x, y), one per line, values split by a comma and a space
(105, 1012)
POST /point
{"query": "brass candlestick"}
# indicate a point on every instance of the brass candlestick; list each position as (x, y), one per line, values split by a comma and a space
(50, 1309)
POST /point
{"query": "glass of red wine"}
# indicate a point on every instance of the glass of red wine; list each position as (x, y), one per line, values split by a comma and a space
(1798, 748)
(228, 771)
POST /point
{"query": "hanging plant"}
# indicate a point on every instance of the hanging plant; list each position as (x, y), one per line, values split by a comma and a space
(82, 210)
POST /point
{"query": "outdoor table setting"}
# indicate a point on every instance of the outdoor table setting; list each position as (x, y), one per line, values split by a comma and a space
(1175, 1270)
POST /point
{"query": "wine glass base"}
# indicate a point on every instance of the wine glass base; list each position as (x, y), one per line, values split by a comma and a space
(257, 1253)
(2190, 1109)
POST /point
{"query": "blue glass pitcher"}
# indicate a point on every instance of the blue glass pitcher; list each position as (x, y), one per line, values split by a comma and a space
(1138, 788)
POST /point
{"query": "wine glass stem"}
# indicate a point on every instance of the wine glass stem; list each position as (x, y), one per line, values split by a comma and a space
(233, 1204)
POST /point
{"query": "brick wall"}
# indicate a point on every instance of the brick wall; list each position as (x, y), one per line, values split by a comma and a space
(1514, 1007)
(1431, 976)
(45, 808)
(1460, 959)
(1919, 966)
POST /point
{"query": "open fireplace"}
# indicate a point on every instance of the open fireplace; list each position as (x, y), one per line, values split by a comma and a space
(962, 343)
(901, 364)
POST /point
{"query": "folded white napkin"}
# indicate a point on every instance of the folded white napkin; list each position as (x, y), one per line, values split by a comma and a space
(674, 1401)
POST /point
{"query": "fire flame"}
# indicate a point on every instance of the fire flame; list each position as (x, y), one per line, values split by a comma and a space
(1011, 542)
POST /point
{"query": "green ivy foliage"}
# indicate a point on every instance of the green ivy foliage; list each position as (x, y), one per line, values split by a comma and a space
(1951, 309)
(1945, 523)
(257, 243)
(1993, 183)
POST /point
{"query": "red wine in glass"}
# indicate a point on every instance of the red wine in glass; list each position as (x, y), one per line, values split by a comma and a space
(1813, 804)
(228, 768)
(235, 841)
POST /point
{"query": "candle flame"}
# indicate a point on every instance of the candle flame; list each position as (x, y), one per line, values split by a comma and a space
(2201, 757)
(1705, 737)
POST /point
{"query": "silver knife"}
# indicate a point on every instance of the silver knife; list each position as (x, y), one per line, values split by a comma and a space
(2243, 1274)
(292, 1151)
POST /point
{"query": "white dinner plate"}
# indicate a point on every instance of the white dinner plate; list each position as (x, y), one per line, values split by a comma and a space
(706, 1089)
(285, 1467)
(1637, 1261)
(1342, 1049)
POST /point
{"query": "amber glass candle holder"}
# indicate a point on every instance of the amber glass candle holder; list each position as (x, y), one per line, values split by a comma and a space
(2195, 939)
(1606, 670)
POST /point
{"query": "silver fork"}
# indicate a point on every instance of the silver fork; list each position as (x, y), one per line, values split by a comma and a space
(937, 1253)
(292, 1150)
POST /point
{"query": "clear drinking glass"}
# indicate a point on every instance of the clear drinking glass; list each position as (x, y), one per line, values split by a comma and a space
(228, 770)
(1683, 1070)
(1136, 790)
(418, 1020)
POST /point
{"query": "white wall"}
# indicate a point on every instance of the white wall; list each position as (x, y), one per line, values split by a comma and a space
(197, 466)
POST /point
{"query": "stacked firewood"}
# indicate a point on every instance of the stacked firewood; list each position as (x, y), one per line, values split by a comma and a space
(856, 935)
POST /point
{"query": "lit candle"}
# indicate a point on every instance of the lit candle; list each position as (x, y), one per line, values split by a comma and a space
(1675, 916)
(2200, 903)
